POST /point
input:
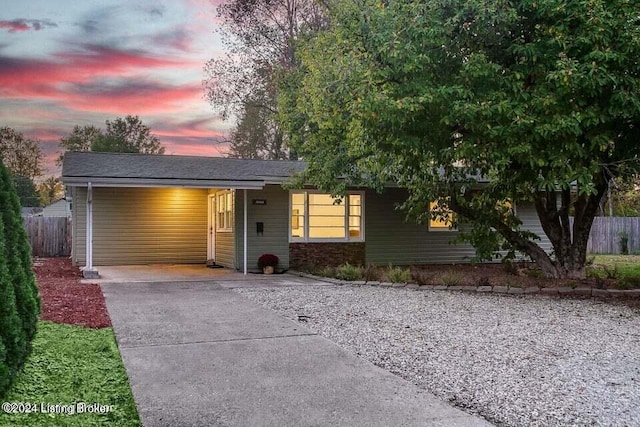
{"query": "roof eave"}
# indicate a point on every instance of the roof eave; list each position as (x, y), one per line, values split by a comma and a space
(83, 181)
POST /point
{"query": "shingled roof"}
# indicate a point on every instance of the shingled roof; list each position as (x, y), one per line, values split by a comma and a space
(120, 169)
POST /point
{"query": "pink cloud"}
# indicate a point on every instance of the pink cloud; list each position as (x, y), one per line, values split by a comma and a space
(20, 25)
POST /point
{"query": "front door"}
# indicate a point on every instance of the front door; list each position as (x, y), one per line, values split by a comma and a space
(211, 238)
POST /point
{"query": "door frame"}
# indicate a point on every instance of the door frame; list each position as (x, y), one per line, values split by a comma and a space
(211, 228)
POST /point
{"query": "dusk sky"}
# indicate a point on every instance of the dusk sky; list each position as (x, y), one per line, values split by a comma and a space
(81, 62)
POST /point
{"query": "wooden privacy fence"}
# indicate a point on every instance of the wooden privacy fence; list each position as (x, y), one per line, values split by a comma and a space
(606, 231)
(49, 236)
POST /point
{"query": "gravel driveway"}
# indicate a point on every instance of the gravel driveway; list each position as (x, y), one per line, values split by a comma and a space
(516, 361)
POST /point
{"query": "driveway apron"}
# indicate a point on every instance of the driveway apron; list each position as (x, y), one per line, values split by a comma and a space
(199, 354)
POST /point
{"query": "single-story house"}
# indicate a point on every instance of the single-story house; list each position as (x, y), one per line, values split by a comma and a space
(147, 209)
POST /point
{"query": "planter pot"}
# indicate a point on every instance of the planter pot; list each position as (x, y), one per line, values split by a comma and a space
(268, 270)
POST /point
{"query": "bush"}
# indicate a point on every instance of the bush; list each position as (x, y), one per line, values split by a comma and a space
(268, 260)
(399, 275)
(326, 272)
(19, 302)
(451, 278)
(348, 272)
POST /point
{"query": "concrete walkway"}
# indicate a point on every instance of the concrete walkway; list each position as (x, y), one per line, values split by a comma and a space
(199, 354)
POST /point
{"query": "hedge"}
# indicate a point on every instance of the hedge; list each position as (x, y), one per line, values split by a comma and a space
(19, 301)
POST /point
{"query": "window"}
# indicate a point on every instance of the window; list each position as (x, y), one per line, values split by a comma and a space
(318, 216)
(224, 209)
(442, 222)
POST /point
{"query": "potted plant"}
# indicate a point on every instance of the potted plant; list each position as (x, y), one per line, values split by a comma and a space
(268, 262)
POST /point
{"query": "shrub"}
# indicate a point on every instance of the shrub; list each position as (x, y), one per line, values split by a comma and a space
(268, 260)
(624, 242)
(510, 267)
(19, 303)
(348, 272)
(371, 273)
(326, 272)
(398, 275)
(451, 278)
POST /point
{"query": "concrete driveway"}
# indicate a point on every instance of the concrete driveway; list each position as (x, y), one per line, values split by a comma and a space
(199, 354)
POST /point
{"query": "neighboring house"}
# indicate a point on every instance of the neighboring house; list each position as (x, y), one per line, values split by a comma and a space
(59, 208)
(144, 209)
(30, 211)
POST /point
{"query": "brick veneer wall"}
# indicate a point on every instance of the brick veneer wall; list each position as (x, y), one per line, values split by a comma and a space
(304, 255)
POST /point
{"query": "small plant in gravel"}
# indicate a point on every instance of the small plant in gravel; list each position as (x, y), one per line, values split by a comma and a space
(484, 281)
(348, 272)
(451, 278)
(326, 272)
(398, 275)
(371, 273)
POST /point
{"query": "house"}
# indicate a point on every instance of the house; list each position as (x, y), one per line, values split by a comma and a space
(59, 208)
(145, 209)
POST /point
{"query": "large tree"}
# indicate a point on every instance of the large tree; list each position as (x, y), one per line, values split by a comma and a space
(21, 155)
(473, 103)
(50, 190)
(260, 38)
(121, 135)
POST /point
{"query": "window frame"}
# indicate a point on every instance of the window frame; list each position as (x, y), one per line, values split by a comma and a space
(306, 238)
(226, 213)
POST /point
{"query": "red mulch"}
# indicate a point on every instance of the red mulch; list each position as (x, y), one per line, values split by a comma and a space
(64, 299)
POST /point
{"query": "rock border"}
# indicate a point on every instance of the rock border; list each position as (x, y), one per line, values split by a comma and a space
(510, 290)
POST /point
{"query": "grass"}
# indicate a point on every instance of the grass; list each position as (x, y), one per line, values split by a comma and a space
(69, 365)
(624, 268)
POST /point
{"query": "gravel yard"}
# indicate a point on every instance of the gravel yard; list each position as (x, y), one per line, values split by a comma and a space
(534, 361)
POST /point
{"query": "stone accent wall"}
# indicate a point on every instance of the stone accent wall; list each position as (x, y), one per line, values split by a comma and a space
(304, 255)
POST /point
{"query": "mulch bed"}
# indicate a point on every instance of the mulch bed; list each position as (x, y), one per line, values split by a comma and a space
(64, 299)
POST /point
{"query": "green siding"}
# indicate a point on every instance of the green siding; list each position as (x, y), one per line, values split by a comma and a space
(390, 239)
(143, 226)
(274, 215)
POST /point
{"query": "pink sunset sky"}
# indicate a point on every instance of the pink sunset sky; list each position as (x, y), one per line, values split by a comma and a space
(71, 62)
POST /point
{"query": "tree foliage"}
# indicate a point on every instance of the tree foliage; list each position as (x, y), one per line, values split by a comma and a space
(260, 38)
(50, 190)
(121, 135)
(21, 155)
(538, 100)
(19, 302)
(26, 190)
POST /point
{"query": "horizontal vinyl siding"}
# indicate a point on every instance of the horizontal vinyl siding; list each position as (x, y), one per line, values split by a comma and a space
(274, 215)
(389, 239)
(147, 225)
(531, 222)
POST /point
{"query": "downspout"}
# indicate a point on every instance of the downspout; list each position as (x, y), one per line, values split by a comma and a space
(244, 252)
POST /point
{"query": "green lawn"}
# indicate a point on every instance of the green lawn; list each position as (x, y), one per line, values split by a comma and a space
(624, 268)
(69, 365)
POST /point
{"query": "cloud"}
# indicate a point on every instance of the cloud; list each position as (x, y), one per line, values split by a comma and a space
(20, 25)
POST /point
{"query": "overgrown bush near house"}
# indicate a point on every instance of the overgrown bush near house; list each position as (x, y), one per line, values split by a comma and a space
(348, 272)
(19, 302)
(371, 273)
(451, 278)
(398, 274)
(326, 272)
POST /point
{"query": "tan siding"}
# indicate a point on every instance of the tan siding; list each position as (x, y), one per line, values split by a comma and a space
(274, 215)
(225, 244)
(146, 225)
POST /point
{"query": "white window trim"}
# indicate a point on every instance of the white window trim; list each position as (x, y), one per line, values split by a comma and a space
(307, 239)
(226, 228)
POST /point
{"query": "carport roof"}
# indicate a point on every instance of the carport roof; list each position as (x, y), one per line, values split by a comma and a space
(126, 169)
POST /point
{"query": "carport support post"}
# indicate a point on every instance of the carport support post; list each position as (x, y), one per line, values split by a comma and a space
(88, 272)
(244, 252)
